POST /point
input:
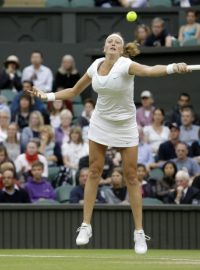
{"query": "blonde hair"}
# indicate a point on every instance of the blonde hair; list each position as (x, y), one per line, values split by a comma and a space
(40, 117)
(66, 113)
(78, 130)
(49, 130)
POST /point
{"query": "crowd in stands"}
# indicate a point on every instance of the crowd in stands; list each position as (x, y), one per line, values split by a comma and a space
(44, 147)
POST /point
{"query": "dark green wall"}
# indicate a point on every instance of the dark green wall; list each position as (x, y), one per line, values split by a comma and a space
(48, 226)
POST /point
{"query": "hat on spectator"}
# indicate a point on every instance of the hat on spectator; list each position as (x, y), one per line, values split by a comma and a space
(12, 59)
(174, 125)
(146, 94)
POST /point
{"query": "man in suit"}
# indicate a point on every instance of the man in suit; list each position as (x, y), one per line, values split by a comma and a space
(184, 194)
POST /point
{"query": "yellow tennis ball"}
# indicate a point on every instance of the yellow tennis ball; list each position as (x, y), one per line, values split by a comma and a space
(131, 16)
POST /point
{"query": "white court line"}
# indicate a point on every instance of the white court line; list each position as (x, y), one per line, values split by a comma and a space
(133, 259)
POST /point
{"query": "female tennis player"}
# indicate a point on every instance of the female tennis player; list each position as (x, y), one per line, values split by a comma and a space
(113, 123)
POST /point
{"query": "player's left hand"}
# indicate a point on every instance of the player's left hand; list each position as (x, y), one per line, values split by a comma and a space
(181, 68)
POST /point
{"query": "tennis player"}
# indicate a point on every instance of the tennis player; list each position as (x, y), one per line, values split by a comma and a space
(113, 123)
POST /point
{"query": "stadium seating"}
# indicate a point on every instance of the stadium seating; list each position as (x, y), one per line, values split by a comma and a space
(151, 201)
(81, 3)
(77, 109)
(154, 3)
(8, 94)
(191, 42)
(63, 193)
(53, 172)
(156, 174)
(57, 3)
(24, 3)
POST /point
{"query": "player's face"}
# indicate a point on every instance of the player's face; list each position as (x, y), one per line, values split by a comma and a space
(113, 45)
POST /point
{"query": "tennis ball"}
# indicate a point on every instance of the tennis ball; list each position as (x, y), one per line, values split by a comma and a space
(131, 16)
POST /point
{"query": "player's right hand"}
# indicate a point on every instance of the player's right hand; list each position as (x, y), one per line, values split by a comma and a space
(37, 93)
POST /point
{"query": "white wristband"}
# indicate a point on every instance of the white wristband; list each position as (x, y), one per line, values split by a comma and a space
(170, 69)
(51, 97)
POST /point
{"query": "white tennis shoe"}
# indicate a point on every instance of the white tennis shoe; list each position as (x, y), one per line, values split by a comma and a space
(140, 241)
(85, 232)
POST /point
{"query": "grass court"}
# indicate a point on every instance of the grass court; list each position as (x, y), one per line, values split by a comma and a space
(85, 259)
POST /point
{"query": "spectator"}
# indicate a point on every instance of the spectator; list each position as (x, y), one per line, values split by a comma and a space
(185, 3)
(24, 161)
(174, 116)
(36, 121)
(190, 31)
(55, 110)
(183, 161)
(145, 155)
(62, 132)
(117, 192)
(37, 186)
(76, 195)
(6, 166)
(40, 75)
(167, 184)
(121, 3)
(4, 123)
(188, 131)
(3, 154)
(48, 147)
(141, 34)
(84, 119)
(114, 155)
(142, 178)
(12, 142)
(67, 74)
(167, 149)
(195, 149)
(10, 77)
(11, 193)
(23, 105)
(183, 194)
(75, 149)
(144, 114)
(159, 36)
(156, 133)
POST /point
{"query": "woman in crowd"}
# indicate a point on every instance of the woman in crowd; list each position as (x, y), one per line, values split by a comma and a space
(141, 33)
(62, 132)
(12, 142)
(167, 184)
(191, 30)
(48, 147)
(36, 122)
(156, 133)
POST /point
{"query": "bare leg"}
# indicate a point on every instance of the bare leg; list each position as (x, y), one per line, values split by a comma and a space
(96, 163)
(129, 159)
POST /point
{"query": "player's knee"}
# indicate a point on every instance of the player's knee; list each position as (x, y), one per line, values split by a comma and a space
(94, 173)
(131, 178)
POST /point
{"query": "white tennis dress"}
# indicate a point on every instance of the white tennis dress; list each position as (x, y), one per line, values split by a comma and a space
(113, 122)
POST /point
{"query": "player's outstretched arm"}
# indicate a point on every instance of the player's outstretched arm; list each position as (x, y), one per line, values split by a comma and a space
(158, 70)
(68, 93)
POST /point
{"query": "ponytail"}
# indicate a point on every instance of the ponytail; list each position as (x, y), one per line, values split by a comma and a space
(131, 49)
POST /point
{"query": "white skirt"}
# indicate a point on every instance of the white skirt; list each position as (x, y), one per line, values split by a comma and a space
(122, 133)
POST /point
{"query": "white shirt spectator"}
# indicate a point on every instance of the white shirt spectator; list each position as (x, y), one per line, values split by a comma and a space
(75, 151)
(22, 164)
(42, 78)
(155, 138)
